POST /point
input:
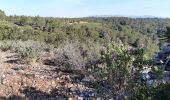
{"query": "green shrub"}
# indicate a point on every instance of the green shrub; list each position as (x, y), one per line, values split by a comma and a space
(161, 92)
(5, 45)
(121, 70)
(30, 49)
(27, 49)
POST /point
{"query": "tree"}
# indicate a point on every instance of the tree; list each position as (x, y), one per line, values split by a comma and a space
(122, 69)
(2, 15)
(166, 36)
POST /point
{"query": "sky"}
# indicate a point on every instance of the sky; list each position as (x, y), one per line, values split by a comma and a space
(84, 8)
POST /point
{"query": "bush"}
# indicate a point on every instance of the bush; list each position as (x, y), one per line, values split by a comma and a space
(69, 57)
(121, 71)
(93, 58)
(27, 49)
(30, 49)
(161, 92)
(5, 45)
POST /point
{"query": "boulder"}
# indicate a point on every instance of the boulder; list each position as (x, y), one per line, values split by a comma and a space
(166, 49)
(162, 56)
(167, 65)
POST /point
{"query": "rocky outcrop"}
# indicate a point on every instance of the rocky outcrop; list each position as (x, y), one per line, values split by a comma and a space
(163, 57)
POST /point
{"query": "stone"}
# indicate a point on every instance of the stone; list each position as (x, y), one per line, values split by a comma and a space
(166, 49)
(57, 78)
(80, 98)
(86, 79)
(70, 98)
(99, 98)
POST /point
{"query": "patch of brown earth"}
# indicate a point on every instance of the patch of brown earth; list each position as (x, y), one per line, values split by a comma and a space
(36, 81)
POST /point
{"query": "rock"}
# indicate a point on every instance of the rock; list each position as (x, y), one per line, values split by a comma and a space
(21, 71)
(166, 49)
(57, 78)
(80, 98)
(81, 95)
(85, 79)
(152, 75)
(88, 78)
(149, 82)
(81, 87)
(2, 79)
(162, 56)
(53, 83)
(99, 98)
(167, 65)
(65, 98)
(70, 99)
(91, 94)
(88, 94)
(69, 85)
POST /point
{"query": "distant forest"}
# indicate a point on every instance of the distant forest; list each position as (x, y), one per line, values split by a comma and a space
(132, 31)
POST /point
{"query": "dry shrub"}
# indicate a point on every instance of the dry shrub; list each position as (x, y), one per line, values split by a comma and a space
(93, 55)
(69, 57)
(77, 56)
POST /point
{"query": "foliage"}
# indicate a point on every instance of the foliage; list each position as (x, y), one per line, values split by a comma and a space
(114, 50)
(27, 49)
(5, 45)
(69, 57)
(2, 15)
(97, 30)
(101, 30)
(161, 92)
(122, 71)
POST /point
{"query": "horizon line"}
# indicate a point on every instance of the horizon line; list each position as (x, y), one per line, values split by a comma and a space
(96, 16)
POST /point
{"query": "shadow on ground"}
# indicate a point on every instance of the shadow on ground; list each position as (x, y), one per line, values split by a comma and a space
(31, 93)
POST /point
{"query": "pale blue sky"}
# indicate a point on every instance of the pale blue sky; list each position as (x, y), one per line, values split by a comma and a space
(83, 8)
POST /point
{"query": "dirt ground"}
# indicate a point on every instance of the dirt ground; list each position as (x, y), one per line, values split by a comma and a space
(38, 81)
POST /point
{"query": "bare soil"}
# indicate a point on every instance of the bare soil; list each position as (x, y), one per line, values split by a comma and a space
(36, 80)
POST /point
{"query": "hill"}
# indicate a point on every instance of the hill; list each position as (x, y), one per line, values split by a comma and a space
(55, 58)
